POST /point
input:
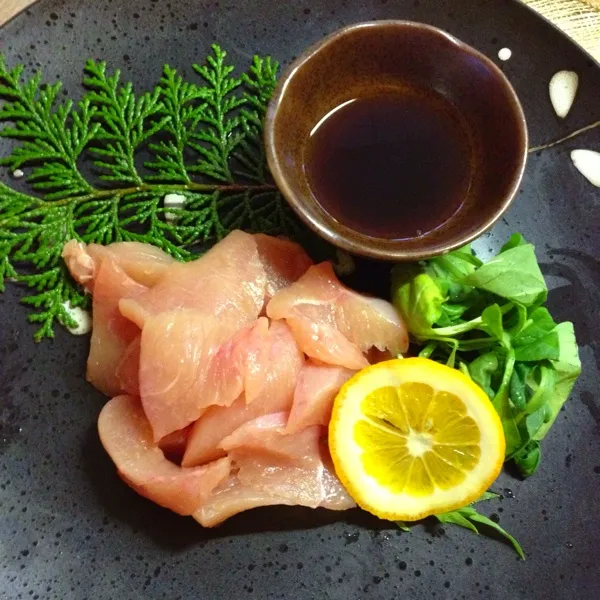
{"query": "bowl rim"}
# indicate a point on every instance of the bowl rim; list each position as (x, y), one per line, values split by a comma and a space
(360, 244)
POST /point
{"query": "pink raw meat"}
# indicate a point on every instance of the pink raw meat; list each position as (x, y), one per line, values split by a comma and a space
(126, 436)
(275, 468)
(111, 332)
(144, 263)
(121, 270)
(284, 262)
(272, 362)
(128, 369)
(335, 324)
(224, 391)
(180, 375)
(80, 264)
(265, 436)
(228, 282)
(270, 376)
(316, 389)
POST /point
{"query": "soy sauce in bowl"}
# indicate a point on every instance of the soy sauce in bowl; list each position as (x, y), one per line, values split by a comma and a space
(394, 140)
(394, 165)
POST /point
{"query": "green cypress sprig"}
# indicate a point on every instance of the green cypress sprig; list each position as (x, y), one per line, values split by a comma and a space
(202, 140)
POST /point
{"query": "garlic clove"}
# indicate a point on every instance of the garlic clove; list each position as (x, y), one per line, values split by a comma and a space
(587, 162)
(81, 316)
(563, 89)
(176, 201)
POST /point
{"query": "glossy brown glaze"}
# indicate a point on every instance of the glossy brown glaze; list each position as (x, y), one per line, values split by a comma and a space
(388, 56)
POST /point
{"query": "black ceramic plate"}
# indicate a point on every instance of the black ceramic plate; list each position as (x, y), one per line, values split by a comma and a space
(69, 529)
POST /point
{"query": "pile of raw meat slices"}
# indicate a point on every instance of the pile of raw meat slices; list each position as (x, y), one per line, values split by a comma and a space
(223, 371)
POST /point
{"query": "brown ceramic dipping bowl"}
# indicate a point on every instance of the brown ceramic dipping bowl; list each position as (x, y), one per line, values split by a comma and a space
(376, 56)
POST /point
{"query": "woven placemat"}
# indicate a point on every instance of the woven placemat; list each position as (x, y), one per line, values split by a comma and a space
(580, 19)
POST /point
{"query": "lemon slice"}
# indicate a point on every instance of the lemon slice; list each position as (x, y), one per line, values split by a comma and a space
(411, 437)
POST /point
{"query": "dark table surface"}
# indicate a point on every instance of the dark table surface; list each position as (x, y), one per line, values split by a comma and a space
(69, 529)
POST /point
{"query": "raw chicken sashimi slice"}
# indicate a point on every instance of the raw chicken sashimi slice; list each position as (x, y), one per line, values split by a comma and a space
(335, 324)
(274, 468)
(270, 377)
(144, 263)
(240, 362)
(219, 421)
(189, 362)
(111, 332)
(128, 369)
(318, 336)
(232, 498)
(308, 308)
(80, 264)
(256, 433)
(265, 437)
(272, 362)
(121, 270)
(284, 262)
(316, 389)
(126, 436)
(228, 282)
(179, 376)
(313, 486)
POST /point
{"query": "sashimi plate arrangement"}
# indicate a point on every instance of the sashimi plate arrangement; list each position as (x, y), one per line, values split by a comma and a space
(240, 370)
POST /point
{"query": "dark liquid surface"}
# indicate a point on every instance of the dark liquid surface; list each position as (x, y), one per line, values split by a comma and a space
(393, 166)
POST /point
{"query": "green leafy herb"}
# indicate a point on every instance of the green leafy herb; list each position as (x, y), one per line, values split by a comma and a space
(88, 182)
(488, 318)
(528, 458)
(513, 274)
(419, 297)
(469, 518)
(403, 526)
(567, 369)
(482, 369)
(538, 339)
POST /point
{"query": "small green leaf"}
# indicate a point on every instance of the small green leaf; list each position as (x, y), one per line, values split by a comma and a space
(417, 298)
(518, 385)
(483, 369)
(541, 381)
(505, 410)
(514, 274)
(479, 518)
(491, 319)
(528, 458)
(487, 495)
(452, 313)
(457, 518)
(538, 339)
(516, 239)
(467, 517)
(567, 369)
(516, 320)
(449, 271)
(403, 526)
